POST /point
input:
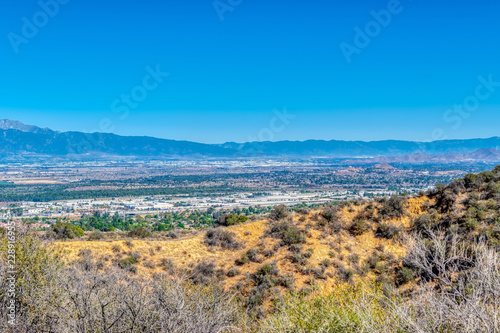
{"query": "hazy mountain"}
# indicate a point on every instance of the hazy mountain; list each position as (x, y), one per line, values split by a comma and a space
(349, 149)
(480, 155)
(8, 124)
(18, 139)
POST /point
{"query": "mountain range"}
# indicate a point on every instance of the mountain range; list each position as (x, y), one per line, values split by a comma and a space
(483, 155)
(18, 139)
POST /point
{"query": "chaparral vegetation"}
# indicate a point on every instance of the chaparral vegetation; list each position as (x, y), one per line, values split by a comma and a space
(422, 263)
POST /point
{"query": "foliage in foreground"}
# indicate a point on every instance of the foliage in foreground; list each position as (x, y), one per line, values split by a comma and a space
(86, 298)
(458, 291)
(347, 308)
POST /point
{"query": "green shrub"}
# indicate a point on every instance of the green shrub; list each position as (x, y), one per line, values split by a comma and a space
(470, 224)
(242, 260)
(62, 230)
(344, 274)
(393, 207)
(298, 258)
(293, 236)
(232, 219)
(426, 222)
(404, 275)
(267, 275)
(127, 261)
(373, 261)
(359, 227)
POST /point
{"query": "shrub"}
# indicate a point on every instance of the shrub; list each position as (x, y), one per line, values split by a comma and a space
(66, 231)
(232, 219)
(298, 258)
(373, 261)
(233, 272)
(293, 236)
(404, 275)
(168, 265)
(267, 275)
(127, 261)
(302, 210)
(222, 238)
(387, 231)
(149, 264)
(317, 272)
(326, 263)
(269, 253)
(344, 274)
(473, 181)
(279, 212)
(359, 227)
(204, 272)
(353, 258)
(369, 213)
(242, 260)
(393, 207)
(287, 232)
(172, 234)
(470, 224)
(96, 235)
(425, 222)
(330, 213)
(278, 229)
(129, 244)
(140, 232)
(84, 252)
(253, 255)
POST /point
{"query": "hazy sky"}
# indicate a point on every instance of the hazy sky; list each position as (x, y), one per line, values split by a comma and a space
(241, 70)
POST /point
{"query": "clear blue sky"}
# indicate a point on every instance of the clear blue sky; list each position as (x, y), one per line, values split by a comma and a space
(227, 76)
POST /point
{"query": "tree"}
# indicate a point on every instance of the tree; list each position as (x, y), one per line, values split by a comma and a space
(62, 230)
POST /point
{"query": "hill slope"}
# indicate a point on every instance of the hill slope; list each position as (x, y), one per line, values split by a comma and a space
(428, 263)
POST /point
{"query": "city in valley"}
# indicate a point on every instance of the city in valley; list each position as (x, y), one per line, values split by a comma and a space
(192, 194)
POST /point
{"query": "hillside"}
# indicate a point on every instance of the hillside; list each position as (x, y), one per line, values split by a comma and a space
(340, 243)
(428, 263)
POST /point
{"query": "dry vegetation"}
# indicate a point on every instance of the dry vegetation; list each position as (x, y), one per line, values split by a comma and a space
(422, 264)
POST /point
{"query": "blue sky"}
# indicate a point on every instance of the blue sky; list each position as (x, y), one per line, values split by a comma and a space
(229, 78)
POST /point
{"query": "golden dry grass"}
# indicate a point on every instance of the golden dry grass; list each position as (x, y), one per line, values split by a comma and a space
(187, 252)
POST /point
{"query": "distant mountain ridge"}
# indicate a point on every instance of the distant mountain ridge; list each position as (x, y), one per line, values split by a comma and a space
(480, 155)
(17, 138)
(7, 124)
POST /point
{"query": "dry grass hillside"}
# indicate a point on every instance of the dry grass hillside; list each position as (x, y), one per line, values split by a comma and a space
(402, 264)
(292, 251)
